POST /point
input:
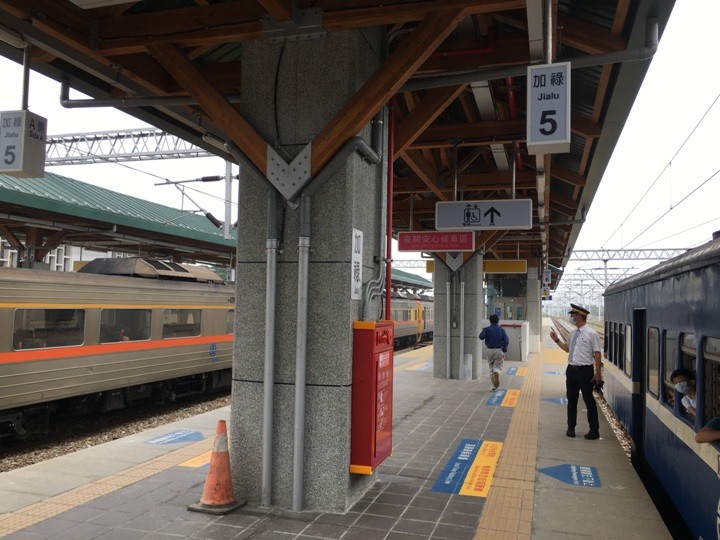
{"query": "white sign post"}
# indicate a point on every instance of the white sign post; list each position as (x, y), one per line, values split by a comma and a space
(484, 215)
(356, 265)
(23, 136)
(548, 106)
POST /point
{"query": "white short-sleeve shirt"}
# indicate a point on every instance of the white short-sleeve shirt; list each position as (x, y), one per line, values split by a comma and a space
(588, 342)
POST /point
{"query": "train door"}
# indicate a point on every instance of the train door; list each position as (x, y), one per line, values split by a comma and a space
(640, 368)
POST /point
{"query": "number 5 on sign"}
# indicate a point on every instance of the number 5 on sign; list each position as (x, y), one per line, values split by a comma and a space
(548, 106)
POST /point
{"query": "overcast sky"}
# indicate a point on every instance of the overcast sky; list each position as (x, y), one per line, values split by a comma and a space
(680, 88)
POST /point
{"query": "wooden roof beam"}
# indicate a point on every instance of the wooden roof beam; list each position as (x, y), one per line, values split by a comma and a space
(383, 84)
(222, 113)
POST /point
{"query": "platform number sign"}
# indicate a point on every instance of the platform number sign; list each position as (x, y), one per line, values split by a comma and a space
(548, 106)
(23, 136)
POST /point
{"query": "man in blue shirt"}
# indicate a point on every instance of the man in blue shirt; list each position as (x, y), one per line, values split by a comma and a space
(496, 343)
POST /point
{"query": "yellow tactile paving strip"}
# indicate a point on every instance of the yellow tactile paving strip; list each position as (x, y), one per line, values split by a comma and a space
(508, 510)
(35, 513)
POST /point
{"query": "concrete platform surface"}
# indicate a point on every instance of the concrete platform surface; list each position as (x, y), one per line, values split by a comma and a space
(526, 479)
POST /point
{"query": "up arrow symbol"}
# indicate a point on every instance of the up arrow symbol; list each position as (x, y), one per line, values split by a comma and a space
(492, 212)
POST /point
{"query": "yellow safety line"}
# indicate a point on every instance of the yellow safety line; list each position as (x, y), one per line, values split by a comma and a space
(508, 509)
(35, 513)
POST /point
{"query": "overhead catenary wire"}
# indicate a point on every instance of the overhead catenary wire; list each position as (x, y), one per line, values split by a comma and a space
(164, 179)
(630, 213)
(713, 175)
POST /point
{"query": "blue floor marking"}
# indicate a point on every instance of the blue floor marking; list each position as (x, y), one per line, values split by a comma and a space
(558, 400)
(452, 476)
(575, 475)
(495, 398)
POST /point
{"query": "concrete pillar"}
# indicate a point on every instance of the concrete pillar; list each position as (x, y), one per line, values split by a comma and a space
(471, 272)
(534, 308)
(290, 93)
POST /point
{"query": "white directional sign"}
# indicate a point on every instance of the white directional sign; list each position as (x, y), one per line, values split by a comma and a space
(22, 144)
(484, 215)
(548, 106)
(356, 267)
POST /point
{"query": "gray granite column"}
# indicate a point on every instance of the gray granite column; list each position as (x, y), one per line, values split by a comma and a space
(471, 272)
(533, 307)
(290, 92)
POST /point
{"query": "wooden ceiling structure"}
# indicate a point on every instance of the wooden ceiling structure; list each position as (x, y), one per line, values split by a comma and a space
(454, 70)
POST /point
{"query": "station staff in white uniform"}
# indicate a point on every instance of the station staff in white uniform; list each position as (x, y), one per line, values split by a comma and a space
(583, 371)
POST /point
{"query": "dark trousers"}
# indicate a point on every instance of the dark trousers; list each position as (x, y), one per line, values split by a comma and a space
(580, 379)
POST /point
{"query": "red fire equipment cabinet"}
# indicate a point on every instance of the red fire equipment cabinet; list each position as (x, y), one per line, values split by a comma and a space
(372, 395)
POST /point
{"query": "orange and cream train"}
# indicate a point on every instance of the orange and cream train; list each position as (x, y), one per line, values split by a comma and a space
(76, 342)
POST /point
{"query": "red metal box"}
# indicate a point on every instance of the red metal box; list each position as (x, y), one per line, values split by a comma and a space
(372, 394)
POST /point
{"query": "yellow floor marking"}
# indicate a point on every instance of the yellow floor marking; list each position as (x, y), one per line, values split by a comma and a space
(409, 365)
(511, 398)
(35, 513)
(198, 461)
(418, 366)
(480, 475)
(521, 372)
(508, 509)
(554, 356)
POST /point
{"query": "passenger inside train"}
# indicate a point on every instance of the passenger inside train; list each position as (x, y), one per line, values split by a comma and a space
(684, 381)
(710, 433)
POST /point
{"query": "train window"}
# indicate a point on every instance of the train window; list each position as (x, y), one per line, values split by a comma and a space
(712, 379)
(610, 344)
(606, 341)
(124, 325)
(668, 367)
(230, 325)
(621, 346)
(628, 350)
(616, 343)
(38, 328)
(181, 322)
(653, 360)
(688, 352)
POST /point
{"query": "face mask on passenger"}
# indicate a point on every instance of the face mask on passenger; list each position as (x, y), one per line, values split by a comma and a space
(681, 387)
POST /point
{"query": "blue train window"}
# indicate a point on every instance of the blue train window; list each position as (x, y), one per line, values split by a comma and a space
(711, 386)
(669, 355)
(688, 361)
(653, 361)
(621, 346)
(628, 350)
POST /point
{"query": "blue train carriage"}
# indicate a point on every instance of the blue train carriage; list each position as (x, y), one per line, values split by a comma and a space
(657, 321)
(74, 342)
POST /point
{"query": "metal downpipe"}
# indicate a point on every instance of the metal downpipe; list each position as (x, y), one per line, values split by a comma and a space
(301, 353)
(462, 320)
(388, 224)
(447, 324)
(272, 245)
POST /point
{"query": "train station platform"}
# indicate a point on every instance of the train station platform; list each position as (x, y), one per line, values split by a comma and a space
(467, 463)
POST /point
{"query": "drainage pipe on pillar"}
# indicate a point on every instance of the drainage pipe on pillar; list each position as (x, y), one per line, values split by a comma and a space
(369, 155)
(447, 324)
(301, 353)
(462, 320)
(388, 223)
(375, 286)
(272, 245)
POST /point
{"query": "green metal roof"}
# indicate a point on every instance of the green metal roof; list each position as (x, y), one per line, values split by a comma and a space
(60, 194)
(410, 280)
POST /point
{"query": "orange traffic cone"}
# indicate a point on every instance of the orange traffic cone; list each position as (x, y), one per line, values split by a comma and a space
(217, 497)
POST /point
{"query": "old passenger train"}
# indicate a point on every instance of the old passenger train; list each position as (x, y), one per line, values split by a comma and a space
(657, 321)
(74, 342)
(104, 338)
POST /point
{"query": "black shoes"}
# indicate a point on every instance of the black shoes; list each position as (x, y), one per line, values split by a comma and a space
(571, 432)
(592, 435)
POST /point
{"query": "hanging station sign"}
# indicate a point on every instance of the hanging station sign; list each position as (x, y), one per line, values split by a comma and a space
(23, 136)
(548, 106)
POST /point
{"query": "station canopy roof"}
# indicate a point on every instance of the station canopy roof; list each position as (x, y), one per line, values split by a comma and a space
(46, 212)
(456, 70)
